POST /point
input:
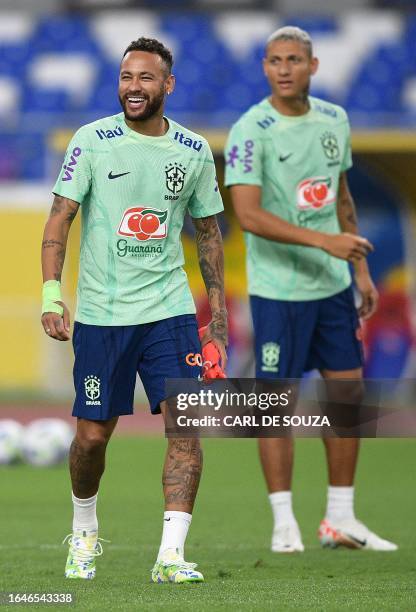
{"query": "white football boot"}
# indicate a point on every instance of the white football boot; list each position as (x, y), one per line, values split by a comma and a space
(83, 549)
(286, 538)
(352, 534)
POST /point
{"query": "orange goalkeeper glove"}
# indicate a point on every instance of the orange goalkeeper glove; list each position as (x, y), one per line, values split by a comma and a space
(211, 357)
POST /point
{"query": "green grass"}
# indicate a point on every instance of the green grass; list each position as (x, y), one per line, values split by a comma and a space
(229, 537)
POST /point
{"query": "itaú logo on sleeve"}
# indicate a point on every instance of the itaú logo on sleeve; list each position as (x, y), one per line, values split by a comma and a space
(144, 223)
(315, 192)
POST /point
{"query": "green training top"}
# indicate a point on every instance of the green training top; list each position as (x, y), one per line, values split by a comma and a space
(135, 191)
(297, 161)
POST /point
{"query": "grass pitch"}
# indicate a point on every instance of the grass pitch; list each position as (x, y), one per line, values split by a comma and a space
(229, 537)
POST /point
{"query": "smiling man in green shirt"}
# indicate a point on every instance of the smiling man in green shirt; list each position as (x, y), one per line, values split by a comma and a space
(134, 175)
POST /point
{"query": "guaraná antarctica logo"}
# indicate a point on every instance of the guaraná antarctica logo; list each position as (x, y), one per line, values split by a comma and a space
(315, 192)
(142, 223)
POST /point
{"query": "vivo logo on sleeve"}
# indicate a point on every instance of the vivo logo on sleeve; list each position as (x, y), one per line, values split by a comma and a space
(69, 167)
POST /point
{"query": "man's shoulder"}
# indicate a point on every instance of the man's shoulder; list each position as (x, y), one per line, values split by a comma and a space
(329, 112)
(187, 138)
(105, 128)
(256, 119)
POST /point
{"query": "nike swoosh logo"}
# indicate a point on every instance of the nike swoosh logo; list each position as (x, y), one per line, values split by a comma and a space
(167, 519)
(354, 539)
(113, 176)
(283, 158)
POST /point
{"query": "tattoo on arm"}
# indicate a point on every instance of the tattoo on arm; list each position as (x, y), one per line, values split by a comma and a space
(347, 215)
(346, 208)
(64, 206)
(211, 263)
(59, 255)
(57, 206)
(62, 214)
(59, 259)
(48, 244)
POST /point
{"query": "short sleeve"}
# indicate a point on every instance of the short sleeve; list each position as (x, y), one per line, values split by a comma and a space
(347, 157)
(243, 156)
(74, 180)
(206, 198)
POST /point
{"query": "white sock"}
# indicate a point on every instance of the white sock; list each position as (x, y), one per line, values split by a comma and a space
(175, 530)
(340, 506)
(85, 514)
(281, 503)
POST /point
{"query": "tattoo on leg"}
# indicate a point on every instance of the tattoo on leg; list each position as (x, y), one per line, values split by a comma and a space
(86, 467)
(182, 472)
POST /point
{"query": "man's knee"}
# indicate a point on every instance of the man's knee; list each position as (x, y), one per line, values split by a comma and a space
(92, 436)
(343, 403)
(347, 392)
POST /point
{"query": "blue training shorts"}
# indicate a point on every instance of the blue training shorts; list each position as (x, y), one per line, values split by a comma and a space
(294, 337)
(108, 358)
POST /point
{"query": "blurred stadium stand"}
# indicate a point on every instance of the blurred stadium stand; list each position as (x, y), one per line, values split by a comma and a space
(60, 70)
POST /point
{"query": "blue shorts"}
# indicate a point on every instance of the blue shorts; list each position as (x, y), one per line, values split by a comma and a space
(294, 337)
(108, 358)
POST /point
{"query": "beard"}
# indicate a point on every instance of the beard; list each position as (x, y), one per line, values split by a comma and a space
(153, 106)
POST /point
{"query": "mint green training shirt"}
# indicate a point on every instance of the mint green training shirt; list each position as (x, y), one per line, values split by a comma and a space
(297, 161)
(134, 191)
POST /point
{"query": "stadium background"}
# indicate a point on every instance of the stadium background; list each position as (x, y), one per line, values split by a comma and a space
(58, 70)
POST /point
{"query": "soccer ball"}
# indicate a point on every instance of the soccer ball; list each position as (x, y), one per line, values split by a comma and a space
(11, 434)
(46, 442)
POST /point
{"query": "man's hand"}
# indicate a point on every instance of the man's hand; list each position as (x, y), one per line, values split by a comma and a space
(216, 332)
(347, 246)
(211, 358)
(56, 326)
(369, 295)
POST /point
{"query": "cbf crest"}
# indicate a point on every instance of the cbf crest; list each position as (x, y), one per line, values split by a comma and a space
(330, 145)
(270, 353)
(92, 389)
(175, 177)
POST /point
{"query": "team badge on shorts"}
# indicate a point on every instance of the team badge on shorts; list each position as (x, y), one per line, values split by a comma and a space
(92, 390)
(270, 353)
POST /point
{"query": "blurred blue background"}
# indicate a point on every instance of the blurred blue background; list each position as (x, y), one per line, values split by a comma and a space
(60, 68)
(59, 63)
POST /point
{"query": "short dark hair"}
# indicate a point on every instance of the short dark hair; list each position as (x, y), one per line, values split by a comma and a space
(151, 45)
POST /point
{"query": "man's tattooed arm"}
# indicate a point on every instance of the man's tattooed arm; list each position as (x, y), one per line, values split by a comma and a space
(347, 215)
(55, 237)
(211, 263)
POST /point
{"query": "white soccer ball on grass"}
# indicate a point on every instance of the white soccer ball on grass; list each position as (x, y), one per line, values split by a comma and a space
(47, 441)
(11, 437)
